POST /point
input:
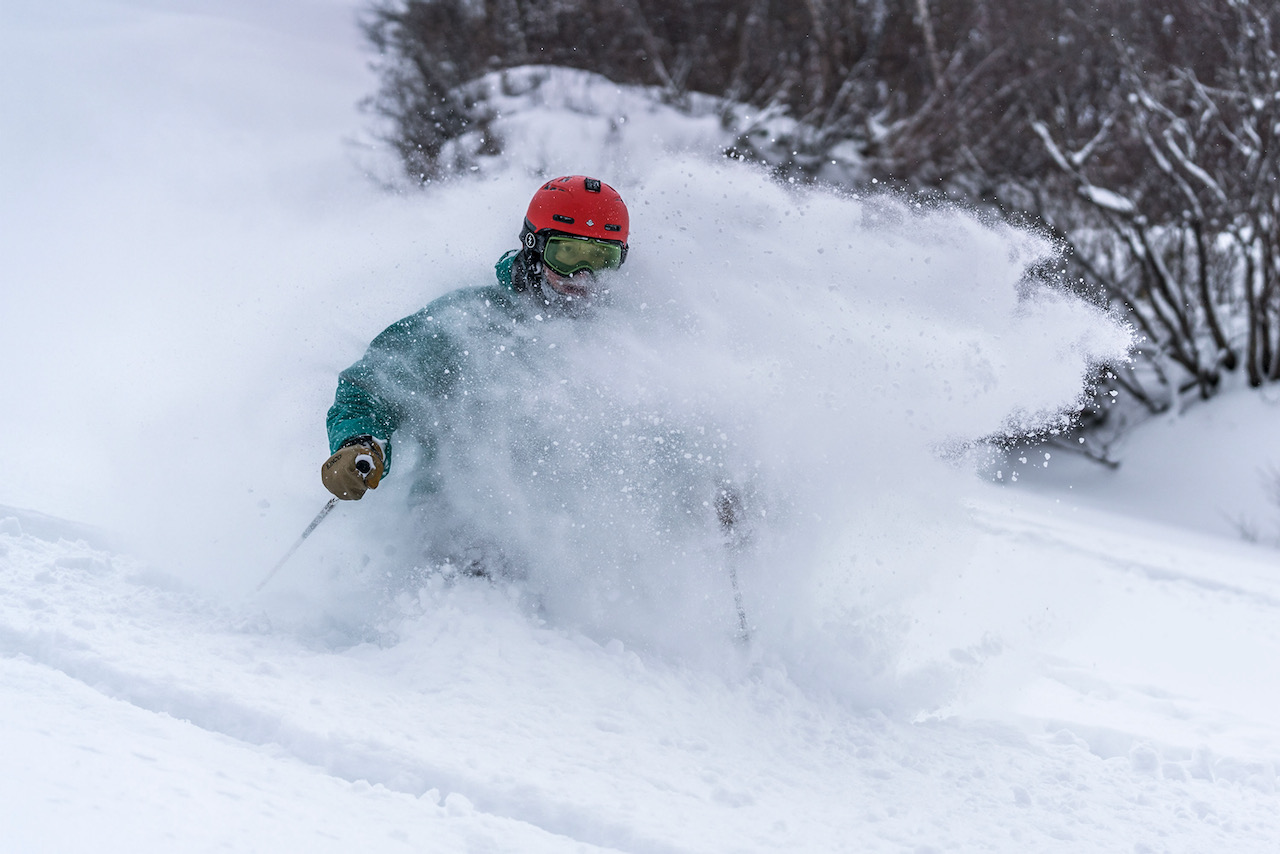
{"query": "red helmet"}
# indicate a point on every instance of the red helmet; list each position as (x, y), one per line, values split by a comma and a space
(576, 204)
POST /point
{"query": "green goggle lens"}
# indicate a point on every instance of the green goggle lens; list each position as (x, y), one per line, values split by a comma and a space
(569, 255)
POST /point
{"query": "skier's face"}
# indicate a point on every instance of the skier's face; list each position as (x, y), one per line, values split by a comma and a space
(573, 295)
(580, 285)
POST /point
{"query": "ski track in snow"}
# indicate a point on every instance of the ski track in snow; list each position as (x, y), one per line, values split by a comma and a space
(1174, 640)
(472, 723)
(1201, 567)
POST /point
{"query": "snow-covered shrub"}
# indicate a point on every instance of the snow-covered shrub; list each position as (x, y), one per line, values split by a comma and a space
(1140, 137)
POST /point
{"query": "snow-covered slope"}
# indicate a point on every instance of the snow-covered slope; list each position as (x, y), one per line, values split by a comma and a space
(191, 254)
(1212, 468)
(1118, 708)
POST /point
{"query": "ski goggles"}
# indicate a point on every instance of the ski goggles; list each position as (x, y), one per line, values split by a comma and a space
(567, 255)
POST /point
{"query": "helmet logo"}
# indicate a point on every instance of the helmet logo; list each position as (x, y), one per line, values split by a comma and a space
(591, 222)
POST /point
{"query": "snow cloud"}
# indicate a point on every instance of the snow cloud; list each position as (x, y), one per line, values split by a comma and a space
(817, 354)
(181, 309)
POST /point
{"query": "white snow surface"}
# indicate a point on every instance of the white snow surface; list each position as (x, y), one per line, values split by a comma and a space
(1083, 661)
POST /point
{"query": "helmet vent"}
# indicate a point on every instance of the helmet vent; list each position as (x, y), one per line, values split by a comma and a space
(562, 218)
(609, 226)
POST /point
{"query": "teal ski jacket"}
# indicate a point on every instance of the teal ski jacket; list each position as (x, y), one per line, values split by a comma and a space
(410, 371)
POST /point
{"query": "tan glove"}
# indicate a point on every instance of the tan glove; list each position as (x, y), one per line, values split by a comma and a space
(352, 470)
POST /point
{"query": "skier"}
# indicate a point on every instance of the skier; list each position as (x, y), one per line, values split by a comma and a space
(415, 374)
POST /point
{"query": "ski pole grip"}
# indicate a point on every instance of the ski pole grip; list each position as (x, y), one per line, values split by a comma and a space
(364, 464)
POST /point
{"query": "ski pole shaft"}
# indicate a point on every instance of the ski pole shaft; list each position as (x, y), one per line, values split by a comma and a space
(744, 633)
(728, 509)
(324, 511)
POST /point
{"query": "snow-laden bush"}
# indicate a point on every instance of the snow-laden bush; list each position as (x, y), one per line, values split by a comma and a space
(1141, 137)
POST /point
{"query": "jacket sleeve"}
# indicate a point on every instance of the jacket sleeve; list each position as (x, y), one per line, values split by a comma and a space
(357, 411)
(375, 396)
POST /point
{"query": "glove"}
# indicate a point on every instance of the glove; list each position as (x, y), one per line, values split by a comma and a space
(353, 469)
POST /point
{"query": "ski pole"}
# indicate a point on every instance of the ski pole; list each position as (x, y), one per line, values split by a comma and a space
(324, 511)
(727, 504)
(364, 465)
(744, 633)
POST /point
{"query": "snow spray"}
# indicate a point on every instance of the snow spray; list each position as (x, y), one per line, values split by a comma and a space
(813, 352)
